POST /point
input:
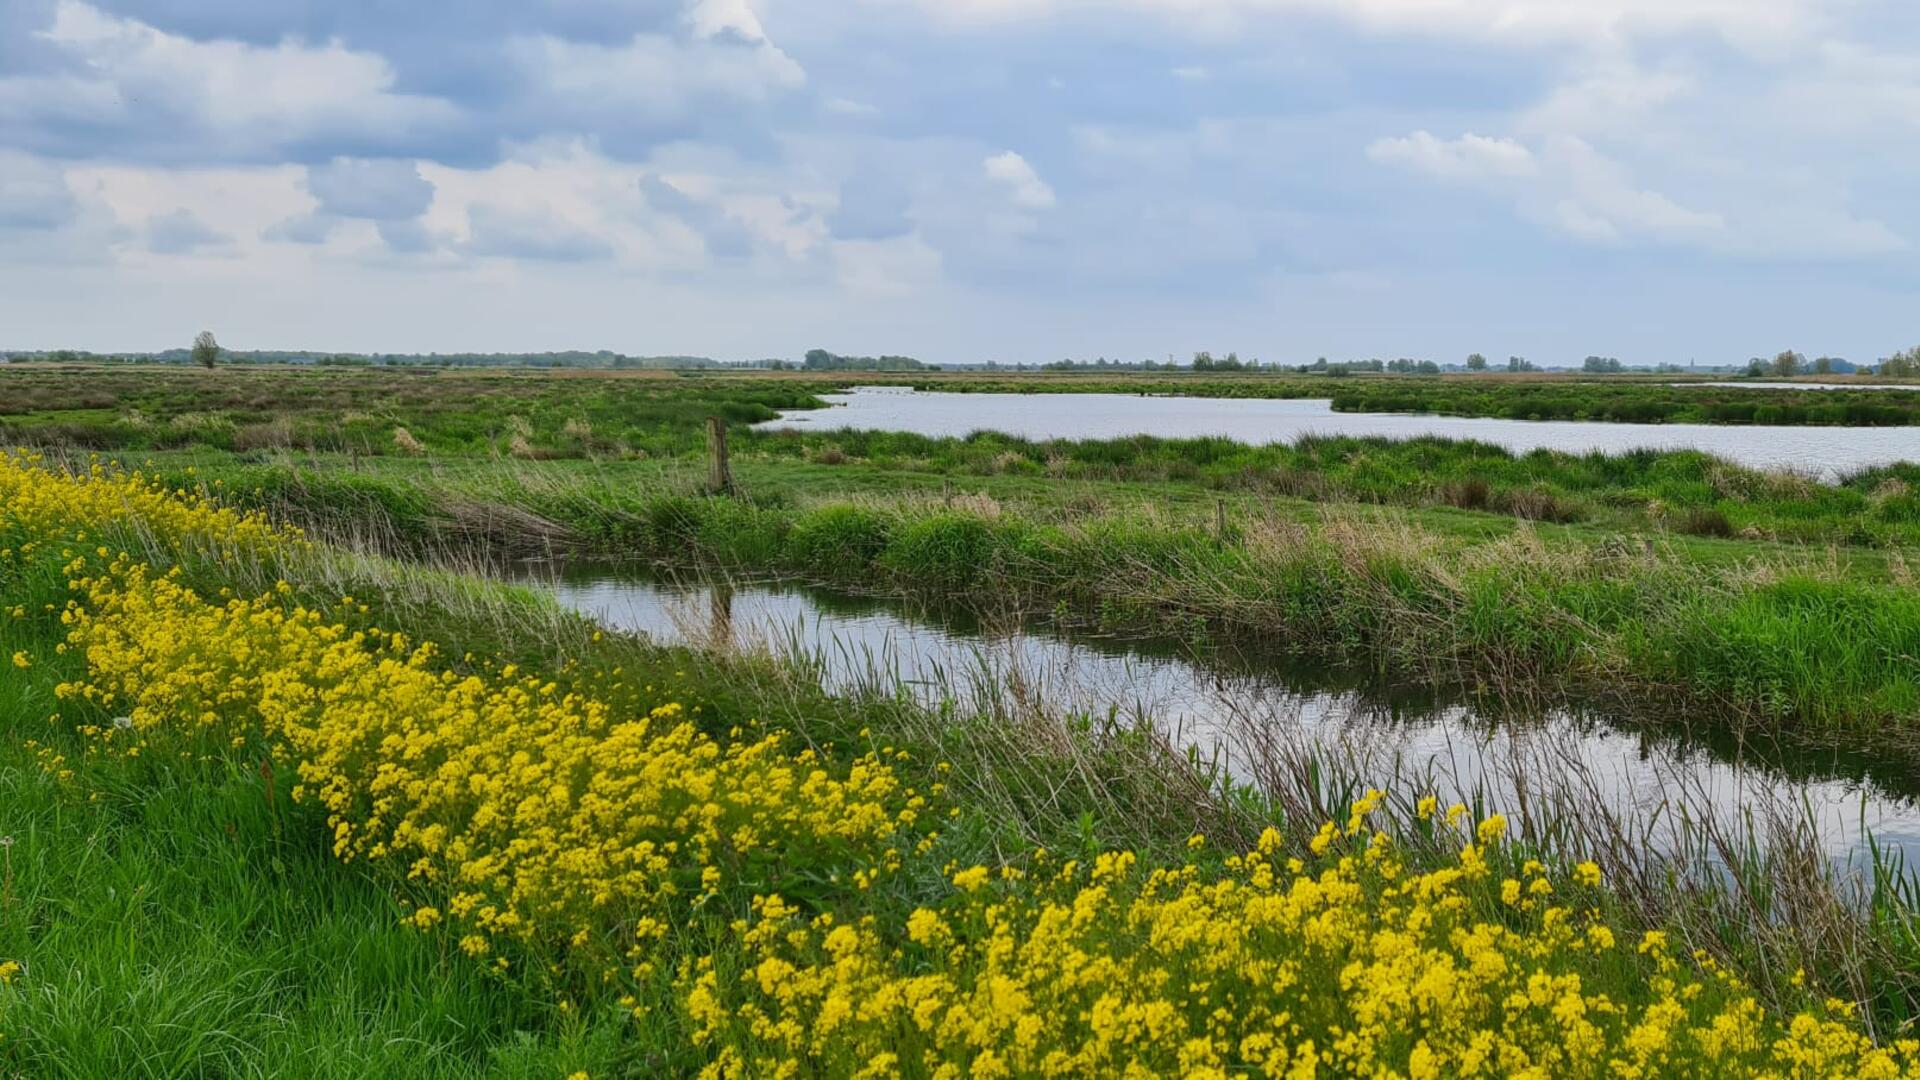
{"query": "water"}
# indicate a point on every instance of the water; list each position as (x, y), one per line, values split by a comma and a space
(1821, 451)
(1241, 714)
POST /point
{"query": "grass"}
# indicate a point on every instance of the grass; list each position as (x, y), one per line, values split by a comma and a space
(446, 417)
(186, 919)
(1757, 636)
(196, 925)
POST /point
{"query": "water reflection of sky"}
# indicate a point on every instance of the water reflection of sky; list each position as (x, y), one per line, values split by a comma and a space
(1824, 451)
(1240, 717)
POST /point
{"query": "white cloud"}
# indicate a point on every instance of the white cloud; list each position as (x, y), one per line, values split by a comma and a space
(1023, 185)
(224, 98)
(715, 18)
(1568, 186)
(1755, 24)
(181, 232)
(1469, 157)
(887, 269)
(33, 193)
(514, 233)
(655, 78)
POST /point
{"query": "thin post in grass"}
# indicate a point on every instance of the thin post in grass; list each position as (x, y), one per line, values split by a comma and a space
(719, 473)
(1220, 520)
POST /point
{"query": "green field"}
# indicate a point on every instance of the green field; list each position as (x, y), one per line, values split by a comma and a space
(178, 911)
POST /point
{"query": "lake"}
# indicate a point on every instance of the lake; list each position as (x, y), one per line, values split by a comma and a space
(1246, 715)
(1827, 452)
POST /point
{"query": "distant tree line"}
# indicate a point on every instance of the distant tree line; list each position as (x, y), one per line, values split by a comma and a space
(822, 360)
(194, 355)
(1902, 365)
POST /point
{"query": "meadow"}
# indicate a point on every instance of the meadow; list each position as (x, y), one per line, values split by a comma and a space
(280, 802)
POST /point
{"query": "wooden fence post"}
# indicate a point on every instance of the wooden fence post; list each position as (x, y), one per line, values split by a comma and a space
(719, 473)
(1220, 521)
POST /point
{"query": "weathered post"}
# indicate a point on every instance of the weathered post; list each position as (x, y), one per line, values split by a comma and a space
(946, 491)
(719, 473)
(1220, 521)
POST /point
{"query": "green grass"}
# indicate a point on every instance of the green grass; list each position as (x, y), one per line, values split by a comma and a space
(184, 920)
(1755, 636)
(191, 922)
(442, 419)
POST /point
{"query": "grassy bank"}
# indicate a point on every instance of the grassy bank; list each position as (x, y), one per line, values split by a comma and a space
(440, 418)
(608, 858)
(1754, 637)
(1676, 491)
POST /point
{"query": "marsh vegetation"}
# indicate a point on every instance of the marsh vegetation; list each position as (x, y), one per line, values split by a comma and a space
(268, 867)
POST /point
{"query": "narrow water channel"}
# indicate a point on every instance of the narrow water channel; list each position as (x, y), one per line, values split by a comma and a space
(1825, 452)
(1238, 713)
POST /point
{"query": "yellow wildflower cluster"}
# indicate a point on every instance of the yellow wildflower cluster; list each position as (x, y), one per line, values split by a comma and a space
(534, 815)
(53, 504)
(1266, 967)
(541, 814)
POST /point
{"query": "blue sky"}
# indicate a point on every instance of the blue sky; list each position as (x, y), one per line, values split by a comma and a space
(965, 180)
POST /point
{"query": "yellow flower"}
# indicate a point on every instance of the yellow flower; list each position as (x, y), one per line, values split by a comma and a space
(1493, 828)
(22, 660)
(971, 878)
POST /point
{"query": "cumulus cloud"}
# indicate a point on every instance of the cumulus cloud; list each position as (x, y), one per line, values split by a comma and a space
(149, 93)
(181, 232)
(382, 190)
(1748, 23)
(873, 205)
(33, 193)
(388, 192)
(1568, 186)
(515, 233)
(1469, 157)
(652, 78)
(720, 234)
(1573, 188)
(1022, 184)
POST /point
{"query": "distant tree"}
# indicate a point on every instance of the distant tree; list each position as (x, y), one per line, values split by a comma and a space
(206, 351)
(1902, 365)
(1520, 363)
(1476, 362)
(1203, 361)
(1823, 366)
(1756, 367)
(1789, 363)
(1601, 365)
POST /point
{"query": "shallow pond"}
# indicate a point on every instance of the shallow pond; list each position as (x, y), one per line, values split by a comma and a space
(1821, 451)
(1247, 716)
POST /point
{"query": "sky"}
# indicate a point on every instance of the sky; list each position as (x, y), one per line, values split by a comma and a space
(965, 180)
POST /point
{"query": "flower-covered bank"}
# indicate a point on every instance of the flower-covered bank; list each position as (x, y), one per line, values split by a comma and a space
(780, 910)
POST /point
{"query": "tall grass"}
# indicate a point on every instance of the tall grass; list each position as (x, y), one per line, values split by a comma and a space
(1768, 643)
